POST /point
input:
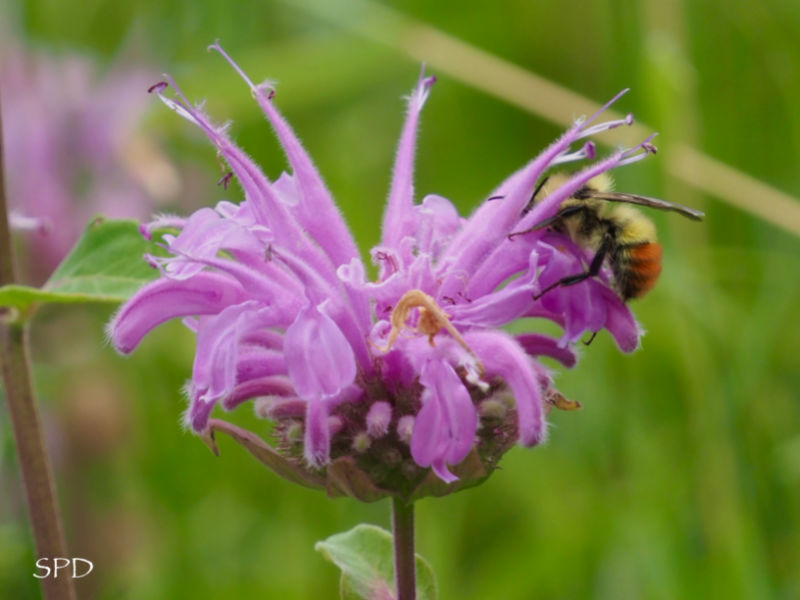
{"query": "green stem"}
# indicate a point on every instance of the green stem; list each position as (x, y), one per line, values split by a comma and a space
(404, 558)
(34, 463)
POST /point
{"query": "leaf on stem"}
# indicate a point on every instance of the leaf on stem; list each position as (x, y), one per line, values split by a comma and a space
(366, 558)
(105, 265)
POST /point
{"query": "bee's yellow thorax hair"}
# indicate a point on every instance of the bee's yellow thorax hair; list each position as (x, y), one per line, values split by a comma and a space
(634, 227)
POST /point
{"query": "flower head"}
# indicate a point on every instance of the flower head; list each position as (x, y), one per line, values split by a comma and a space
(387, 379)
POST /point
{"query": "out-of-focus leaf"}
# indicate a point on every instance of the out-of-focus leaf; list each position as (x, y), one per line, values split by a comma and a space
(365, 556)
(104, 266)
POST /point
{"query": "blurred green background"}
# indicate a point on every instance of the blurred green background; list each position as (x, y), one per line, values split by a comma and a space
(680, 478)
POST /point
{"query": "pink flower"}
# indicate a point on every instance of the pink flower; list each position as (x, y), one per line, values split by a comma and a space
(397, 368)
(73, 148)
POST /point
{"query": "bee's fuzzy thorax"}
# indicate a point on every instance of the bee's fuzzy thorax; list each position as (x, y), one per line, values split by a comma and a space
(632, 226)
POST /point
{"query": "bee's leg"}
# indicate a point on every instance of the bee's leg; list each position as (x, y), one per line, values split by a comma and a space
(532, 201)
(594, 268)
(560, 215)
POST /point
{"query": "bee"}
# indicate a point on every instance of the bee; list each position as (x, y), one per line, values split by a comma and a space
(620, 234)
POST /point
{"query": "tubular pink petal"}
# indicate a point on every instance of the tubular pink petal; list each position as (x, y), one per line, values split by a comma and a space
(268, 209)
(321, 362)
(605, 106)
(196, 417)
(439, 467)
(536, 344)
(317, 444)
(274, 407)
(444, 428)
(256, 362)
(426, 439)
(218, 345)
(265, 339)
(620, 322)
(496, 309)
(265, 386)
(405, 428)
(587, 152)
(437, 221)
(161, 221)
(506, 262)
(493, 220)
(542, 210)
(398, 217)
(284, 295)
(504, 357)
(351, 321)
(317, 211)
(165, 299)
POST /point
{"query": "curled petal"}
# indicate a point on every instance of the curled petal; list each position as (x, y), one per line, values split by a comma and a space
(504, 357)
(536, 344)
(196, 417)
(161, 221)
(165, 299)
(620, 322)
(202, 235)
(214, 373)
(276, 385)
(444, 428)
(275, 407)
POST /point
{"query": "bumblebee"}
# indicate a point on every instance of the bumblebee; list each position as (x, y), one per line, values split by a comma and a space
(620, 234)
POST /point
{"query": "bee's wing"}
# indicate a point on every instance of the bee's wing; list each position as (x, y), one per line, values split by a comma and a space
(697, 215)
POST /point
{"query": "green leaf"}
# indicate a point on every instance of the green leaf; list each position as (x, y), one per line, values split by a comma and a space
(104, 266)
(365, 556)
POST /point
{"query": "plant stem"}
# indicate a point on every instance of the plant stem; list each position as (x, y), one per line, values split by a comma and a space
(34, 463)
(404, 558)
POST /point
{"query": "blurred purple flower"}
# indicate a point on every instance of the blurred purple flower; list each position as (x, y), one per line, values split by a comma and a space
(277, 295)
(73, 150)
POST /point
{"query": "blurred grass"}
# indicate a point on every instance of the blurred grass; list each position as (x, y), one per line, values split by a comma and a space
(679, 478)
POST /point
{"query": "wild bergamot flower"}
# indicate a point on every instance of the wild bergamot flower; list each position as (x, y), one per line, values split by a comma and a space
(77, 147)
(377, 383)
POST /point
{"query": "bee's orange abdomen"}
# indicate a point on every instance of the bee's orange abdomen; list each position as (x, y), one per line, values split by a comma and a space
(643, 268)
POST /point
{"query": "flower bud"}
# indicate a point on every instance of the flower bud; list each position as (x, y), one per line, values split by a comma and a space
(405, 428)
(378, 419)
(362, 442)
